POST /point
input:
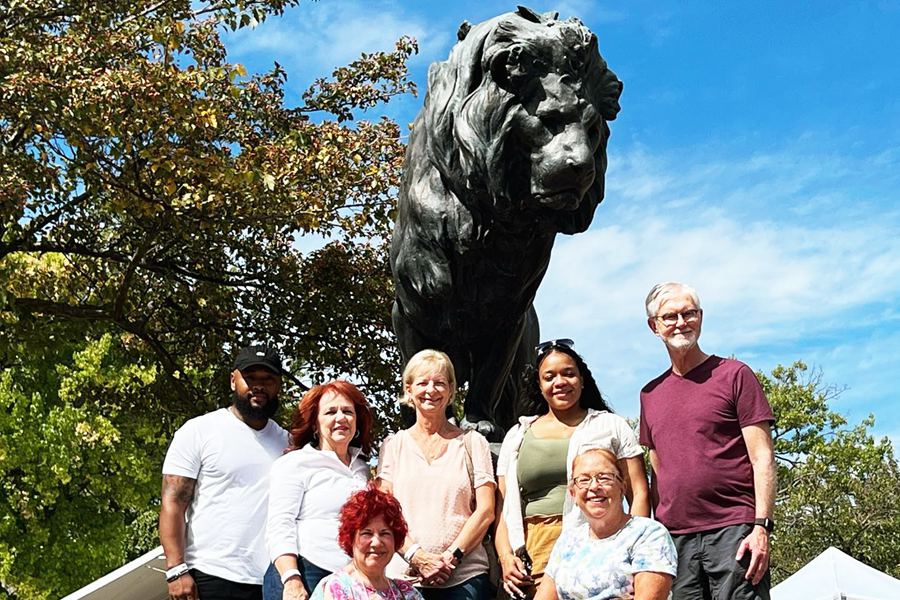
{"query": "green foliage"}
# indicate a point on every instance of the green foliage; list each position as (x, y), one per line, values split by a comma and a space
(80, 462)
(837, 484)
(151, 198)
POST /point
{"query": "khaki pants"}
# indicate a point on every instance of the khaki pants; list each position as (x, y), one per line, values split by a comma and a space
(541, 533)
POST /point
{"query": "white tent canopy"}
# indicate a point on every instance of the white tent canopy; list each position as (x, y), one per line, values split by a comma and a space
(834, 575)
(143, 578)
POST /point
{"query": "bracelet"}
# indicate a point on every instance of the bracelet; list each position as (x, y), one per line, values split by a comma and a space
(410, 552)
(176, 572)
(288, 574)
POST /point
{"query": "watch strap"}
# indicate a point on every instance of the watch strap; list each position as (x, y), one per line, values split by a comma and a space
(767, 523)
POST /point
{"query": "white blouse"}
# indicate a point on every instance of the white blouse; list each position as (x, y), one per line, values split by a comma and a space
(307, 489)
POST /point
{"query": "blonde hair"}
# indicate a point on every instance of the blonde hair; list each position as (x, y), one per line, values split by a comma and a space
(432, 360)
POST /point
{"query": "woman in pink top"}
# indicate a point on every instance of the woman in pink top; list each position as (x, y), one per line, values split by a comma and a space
(448, 504)
(371, 527)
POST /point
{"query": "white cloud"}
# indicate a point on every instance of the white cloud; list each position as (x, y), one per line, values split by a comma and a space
(312, 39)
(777, 283)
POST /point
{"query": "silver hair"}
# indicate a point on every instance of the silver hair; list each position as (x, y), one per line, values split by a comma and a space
(661, 291)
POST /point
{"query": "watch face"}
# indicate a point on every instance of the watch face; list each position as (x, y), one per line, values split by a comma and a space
(458, 554)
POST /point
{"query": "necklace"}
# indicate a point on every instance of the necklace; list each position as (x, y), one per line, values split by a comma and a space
(432, 445)
(391, 592)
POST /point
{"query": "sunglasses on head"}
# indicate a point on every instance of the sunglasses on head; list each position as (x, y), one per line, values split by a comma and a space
(545, 346)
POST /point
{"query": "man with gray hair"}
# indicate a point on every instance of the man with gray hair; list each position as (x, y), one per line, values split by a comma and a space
(706, 422)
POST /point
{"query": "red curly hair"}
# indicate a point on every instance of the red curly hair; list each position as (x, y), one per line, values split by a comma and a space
(362, 507)
(305, 416)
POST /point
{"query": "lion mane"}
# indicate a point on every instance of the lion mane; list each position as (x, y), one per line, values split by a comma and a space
(489, 179)
(472, 95)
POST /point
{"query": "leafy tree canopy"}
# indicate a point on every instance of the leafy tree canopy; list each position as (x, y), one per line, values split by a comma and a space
(837, 484)
(151, 198)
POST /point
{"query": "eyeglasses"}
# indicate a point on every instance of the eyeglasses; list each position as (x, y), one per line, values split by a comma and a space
(584, 482)
(688, 316)
(544, 346)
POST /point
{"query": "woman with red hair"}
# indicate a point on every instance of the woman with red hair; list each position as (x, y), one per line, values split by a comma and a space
(331, 439)
(371, 529)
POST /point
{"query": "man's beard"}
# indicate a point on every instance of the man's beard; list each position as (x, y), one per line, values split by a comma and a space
(248, 411)
(682, 342)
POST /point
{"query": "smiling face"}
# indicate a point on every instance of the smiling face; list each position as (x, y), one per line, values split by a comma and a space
(682, 335)
(373, 546)
(560, 381)
(603, 495)
(429, 390)
(336, 421)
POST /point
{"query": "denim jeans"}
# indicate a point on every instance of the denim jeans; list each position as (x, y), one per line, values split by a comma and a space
(210, 587)
(476, 588)
(310, 574)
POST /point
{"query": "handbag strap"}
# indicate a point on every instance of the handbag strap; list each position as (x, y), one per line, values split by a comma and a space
(467, 444)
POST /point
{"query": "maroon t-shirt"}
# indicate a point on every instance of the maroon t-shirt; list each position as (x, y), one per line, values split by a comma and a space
(694, 422)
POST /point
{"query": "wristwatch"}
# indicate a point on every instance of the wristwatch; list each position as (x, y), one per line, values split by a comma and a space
(458, 554)
(765, 522)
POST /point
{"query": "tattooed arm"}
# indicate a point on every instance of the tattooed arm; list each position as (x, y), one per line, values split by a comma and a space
(177, 493)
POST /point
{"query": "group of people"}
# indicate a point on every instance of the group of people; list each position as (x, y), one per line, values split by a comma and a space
(250, 510)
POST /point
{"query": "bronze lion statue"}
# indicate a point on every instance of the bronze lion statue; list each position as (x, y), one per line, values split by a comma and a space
(508, 150)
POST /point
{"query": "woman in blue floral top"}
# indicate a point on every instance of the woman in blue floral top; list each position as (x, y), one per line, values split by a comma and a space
(612, 556)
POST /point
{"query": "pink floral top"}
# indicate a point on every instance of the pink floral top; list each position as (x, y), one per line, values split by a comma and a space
(343, 586)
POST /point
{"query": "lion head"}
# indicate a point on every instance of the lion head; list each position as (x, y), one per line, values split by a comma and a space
(517, 120)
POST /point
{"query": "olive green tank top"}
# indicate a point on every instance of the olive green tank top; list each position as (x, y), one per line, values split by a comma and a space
(542, 474)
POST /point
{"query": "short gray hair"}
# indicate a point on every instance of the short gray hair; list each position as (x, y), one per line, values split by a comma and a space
(661, 291)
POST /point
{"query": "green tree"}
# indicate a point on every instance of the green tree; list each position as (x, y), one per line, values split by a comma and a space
(837, 484)
(151, 198)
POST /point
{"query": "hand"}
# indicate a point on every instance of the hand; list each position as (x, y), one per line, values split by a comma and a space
(183, 588)
(449, 559)
(294, 590)
(432, 567)
(515, 576)
(757, 543)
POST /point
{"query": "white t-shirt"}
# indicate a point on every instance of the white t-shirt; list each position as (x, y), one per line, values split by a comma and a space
(227, 517)
(307, 489)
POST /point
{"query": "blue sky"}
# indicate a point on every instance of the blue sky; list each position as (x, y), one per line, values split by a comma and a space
(756, 157)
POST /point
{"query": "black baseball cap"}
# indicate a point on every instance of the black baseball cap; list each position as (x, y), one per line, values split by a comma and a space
(259, 355)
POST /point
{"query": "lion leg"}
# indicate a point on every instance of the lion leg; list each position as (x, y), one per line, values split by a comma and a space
(409, 339)
(509, 407)
(492, 361)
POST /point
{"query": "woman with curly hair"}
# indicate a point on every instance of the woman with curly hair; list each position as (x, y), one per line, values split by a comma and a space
(331, 439)
(569, 415)
(371, 529)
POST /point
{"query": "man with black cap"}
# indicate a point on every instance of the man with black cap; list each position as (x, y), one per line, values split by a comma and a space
(216, 474)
